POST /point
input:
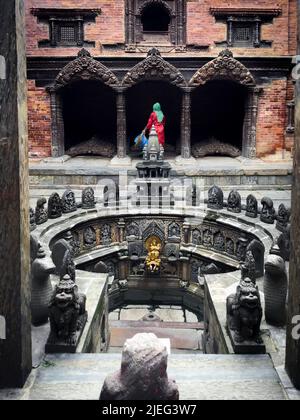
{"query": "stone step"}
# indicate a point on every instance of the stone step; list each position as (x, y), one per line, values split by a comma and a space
(183, 336)
(199, 377)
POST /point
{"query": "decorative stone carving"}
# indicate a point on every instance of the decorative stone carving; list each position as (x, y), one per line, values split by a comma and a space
(207, 238)
(215, 198)
(248, 267)
(112, 269)
(234, 202)
(84, 67)
(241, 249)
(223, 67)
(61, 253)
(41, 214)
(68, 317)
(133, 230)
(88, 198)
(32, 220)
(138, 269)
(89, 237)
(54, 206)
(155, 228)
(68, 266)
(251, 207)
(143, 374)
(154, 67)
(267, 214)
(169, 269)
(230, 246)
(219, 242)
(275, 289)
(171, 251)
(244, 315)
(196, 237)
(215, 148)
(68, 202)
(283, 218)
(94, 147)
(106, 234)
(135, 249)
(75, 244)
(41, 288)
(174, 231)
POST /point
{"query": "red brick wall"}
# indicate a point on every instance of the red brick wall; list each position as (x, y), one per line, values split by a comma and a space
(271, 122)
(202, 28)
(39, 116)
(109, 26)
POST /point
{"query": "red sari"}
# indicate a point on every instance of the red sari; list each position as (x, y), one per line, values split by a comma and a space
(159, 127)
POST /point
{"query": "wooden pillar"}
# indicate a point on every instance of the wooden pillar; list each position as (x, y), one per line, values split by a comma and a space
(186, 124)
(121, 124)
(15, 320)
(57, 124)
(293, 318)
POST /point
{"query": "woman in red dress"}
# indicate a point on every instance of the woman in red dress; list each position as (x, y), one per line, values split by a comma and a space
(157, 119)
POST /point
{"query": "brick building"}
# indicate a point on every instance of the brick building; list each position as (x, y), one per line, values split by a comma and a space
(222, 71)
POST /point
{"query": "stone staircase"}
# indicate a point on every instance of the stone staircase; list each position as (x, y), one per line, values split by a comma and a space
(199, 377)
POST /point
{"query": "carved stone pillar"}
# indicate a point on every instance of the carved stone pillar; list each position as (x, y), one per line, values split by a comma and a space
(123, 265)
(186, 124)
(121, 124)
(15, 319)
(57, 124)
(250, 122)
(186, 233)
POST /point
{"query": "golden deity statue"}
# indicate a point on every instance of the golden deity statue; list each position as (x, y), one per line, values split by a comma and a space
(153, 260)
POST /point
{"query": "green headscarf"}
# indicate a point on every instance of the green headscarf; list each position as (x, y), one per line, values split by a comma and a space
(158, 112)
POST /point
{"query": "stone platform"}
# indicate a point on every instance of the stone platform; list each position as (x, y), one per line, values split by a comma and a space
(223, 171)
(199, 377)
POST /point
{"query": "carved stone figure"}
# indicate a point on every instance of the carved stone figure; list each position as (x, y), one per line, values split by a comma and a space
(106, 234)
(283, 218)
(230, 246)
(143, 374)
(244, 315)
(41, 214)
(101, 268)
(153, 260)
(251, 206)
(207, 238)
(68, 202)
(54, 206)
(234, 202)
(32, 220)
(219, 242)
(268, 213)
(241, 249)
(89, 237)
(67, 317)
(174, 230)
(215, 198)
(258, 251)
(75, 244)
(275, 289)
(196, 237)
(41, 288)
(88, 198)
(284, 243)
(248, 267)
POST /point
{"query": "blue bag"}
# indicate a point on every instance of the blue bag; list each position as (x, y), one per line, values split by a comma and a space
(140, 141)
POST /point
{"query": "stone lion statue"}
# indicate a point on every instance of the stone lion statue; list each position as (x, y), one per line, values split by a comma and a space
(244, 312)
(66, 309)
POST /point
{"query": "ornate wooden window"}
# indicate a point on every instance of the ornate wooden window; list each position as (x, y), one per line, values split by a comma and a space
(244, 25)
(66, 26)
(154, 22)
